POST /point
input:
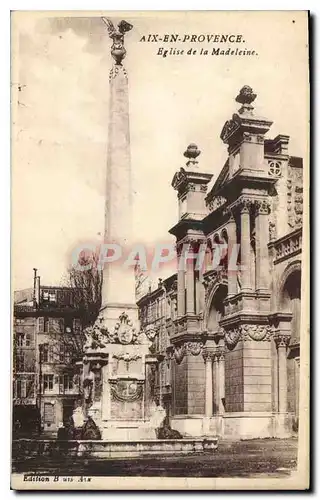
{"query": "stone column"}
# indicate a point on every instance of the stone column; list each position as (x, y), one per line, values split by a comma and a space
(221, 382)
(282, 342)
(216, 383)
(262, 239)
(181, 285)
(245, 247)
(232, 257)
(209, 385)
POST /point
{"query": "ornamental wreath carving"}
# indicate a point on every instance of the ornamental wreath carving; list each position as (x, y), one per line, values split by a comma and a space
(247, 332)
(256, 332)
(194, 348)
(178, 352)
(232, 337)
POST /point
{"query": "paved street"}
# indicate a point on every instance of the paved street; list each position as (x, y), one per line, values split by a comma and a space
(254, 458)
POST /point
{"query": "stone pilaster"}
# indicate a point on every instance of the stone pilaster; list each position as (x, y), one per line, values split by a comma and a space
(262, 253)
(245, 247)
(190, 286)
(181, 286)
(232, 257)
(221, 361)
(282, 342)
(207, 356)
(216, 389)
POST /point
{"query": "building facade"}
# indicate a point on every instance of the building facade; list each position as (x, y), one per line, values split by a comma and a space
(45, 379)
(227, 333)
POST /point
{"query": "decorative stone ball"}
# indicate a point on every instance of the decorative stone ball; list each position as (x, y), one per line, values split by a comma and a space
(192, 152)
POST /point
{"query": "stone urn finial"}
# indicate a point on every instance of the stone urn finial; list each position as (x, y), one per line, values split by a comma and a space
(246, 97)
(192, 152)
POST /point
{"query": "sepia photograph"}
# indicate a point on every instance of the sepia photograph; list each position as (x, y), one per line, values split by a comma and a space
(160, 250)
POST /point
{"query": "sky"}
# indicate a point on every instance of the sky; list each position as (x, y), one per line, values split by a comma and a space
(60, 93)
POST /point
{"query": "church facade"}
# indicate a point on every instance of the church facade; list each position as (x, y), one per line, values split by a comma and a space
(226, 334)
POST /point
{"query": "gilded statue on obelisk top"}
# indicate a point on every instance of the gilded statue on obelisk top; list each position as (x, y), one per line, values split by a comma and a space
(118, 50)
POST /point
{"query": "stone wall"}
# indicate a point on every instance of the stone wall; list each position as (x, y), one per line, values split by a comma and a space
(234, 379)
(196, 385)
(180, 387)
(257, 376)
(248, 377)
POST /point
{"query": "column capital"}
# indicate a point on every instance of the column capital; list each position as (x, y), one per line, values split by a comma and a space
(243, 204)
(221, 354)
(262, 207)
(208, 354)
(282, 340)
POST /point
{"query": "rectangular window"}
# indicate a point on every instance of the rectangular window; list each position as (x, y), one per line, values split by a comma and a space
(47, 382)
(67, 382)
(44, 350)
(18, 389)
(61, 354)
(46, 324)
(20, 362)
(20, 339)
(21, 389)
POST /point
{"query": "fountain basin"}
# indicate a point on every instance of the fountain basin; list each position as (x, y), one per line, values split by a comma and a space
(24, 448)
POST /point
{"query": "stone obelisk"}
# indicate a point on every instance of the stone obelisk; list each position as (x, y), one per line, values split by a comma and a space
(118, 292)
(117, 361)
